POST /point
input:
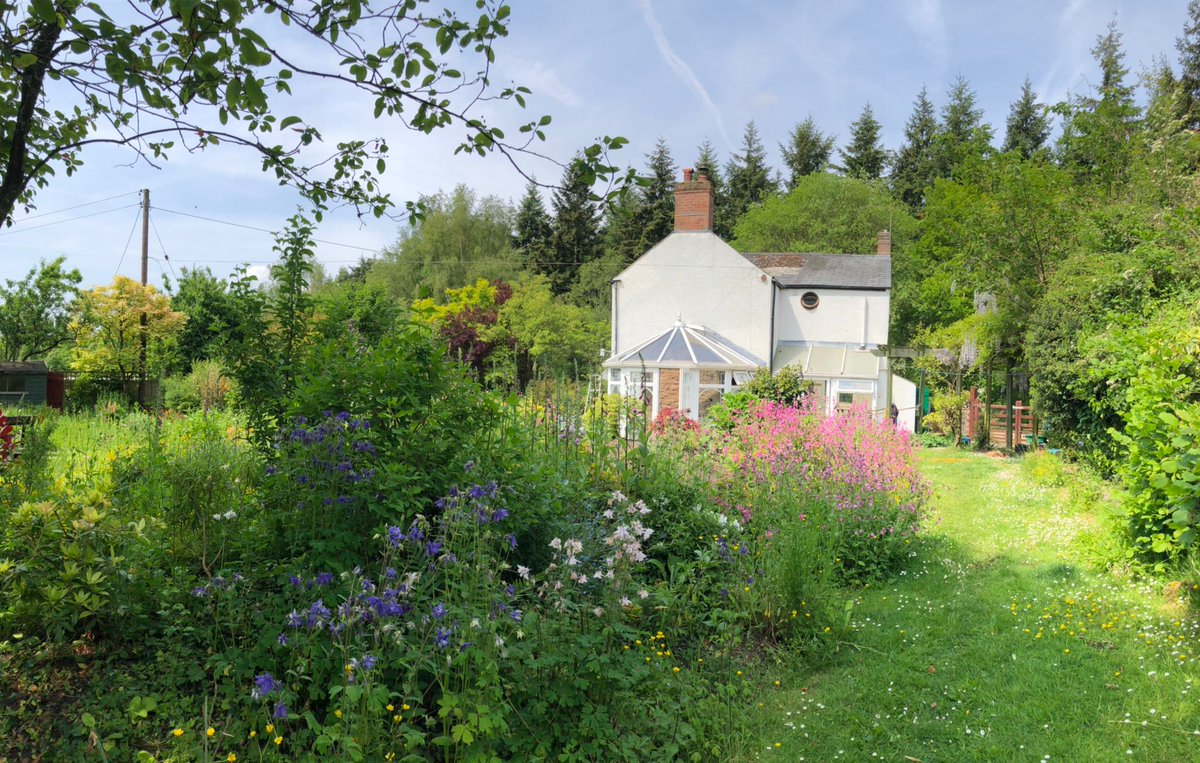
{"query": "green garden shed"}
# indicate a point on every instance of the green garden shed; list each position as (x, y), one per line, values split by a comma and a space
(23, 383)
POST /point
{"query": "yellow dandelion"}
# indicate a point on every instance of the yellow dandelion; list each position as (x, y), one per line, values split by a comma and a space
(253, 733)
(210, 732)
(232, 757)
(390, 708)
(405, 708)
(177, 733)
(337, 713)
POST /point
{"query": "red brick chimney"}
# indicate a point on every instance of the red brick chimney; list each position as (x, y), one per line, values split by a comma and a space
(694, 202)
(883, 242)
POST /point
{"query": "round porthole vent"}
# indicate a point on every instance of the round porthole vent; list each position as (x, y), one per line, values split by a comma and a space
(809, 300)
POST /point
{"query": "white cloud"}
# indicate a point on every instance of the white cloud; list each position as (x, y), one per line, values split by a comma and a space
(680, 67)
(543, 80)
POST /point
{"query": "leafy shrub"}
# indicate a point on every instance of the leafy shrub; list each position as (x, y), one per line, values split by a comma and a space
(787, 385)
(946, 417)
(63, 570)
(1045, 468)
(205, 388)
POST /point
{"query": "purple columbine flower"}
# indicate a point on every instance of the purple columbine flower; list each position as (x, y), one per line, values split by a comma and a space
(324, 578)
(395, 535)
(283, 640)
(295, 619)
(476, 492)
(433, 548)
(200, 592)
(414, 535)
(368, 662)
(441, 638)
(515, 615)
(469, 467)
(264, 684)
(390, 573)
(439, 611)
(499, 515)
(295, 581)
(512, 540)
(280, 712)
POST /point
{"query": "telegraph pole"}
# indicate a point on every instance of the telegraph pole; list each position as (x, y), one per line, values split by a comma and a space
(145, 279)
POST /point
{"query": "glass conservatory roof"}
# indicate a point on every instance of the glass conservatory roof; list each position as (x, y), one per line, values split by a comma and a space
(683, 345)
(819, 360)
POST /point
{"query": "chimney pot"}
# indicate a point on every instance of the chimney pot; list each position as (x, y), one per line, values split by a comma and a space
(883, 243)
(687, 174)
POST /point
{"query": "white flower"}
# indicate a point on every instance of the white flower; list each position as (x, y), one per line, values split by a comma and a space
(231, 514)
(625, 602)
(523, 572)
(475, 623)
(217, 517)
(556, 544)
(598, 611)
(608, 514)
(643, 594)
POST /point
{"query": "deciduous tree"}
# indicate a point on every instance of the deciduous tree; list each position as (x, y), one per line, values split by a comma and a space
(35, 312)
(110, 321)
(157, 76)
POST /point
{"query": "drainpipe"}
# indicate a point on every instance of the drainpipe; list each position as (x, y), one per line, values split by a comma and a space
(771, 341)
(613, 336)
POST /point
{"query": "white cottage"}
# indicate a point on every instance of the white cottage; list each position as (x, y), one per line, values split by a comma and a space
(692, 318)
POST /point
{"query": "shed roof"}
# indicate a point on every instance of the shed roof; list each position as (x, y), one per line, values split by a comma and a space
(687, 346)
(13, 368)
(831, 271)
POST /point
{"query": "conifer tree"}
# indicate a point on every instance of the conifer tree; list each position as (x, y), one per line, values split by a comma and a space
(1097, 140)
(963, 134)
(575, 238)
(723, 216)
(1028, 125)
(750, 180)
(1188, 106)
(533, 228)
(864, 157)
(654, 218)
(807, 150)
(916, 161)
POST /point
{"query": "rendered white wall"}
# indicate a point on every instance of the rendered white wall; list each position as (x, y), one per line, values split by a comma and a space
(838, 317)
(701, 279)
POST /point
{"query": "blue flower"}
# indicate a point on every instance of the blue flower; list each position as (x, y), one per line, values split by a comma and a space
(324, 578)
(395, 535)
(515, 615)
(512, 540)
(264, 684)
(368, 586)
(295, 619)
(318, 613)
(368, 662)
(414, 535)
(433, 548)
(499, 515)
(439, 611)
(343, 417)
(295, 581)
(469, 467)
(280, 712)
(476, 492)
(200, 592)
(390, 573)
(441, 638)
(283, 640)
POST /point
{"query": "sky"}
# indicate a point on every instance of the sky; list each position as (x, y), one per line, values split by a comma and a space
(681, 70)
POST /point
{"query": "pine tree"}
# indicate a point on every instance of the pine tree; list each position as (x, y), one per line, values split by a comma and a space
(916, 161)
(807, 150)
(723, 216)
(864, 157)
(533, 229)
(963, 134)
(1028, 125)
(1097, 139)
(654, 217)
(575, 238)
(1188, 46)
(750, 180)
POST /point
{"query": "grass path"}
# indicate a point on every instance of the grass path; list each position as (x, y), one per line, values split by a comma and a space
(1000, 643)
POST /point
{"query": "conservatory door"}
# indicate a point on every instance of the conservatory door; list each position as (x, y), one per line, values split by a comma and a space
(689, 393)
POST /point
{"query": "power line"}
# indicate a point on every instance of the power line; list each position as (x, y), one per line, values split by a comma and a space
(164, 251)
(68, 209)
(68, 220)
(256, 228)
(129, 240)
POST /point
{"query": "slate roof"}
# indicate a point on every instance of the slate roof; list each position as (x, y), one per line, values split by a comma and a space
(831, 271)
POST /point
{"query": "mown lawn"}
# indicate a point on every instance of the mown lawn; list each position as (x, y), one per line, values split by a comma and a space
(1002, 641)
